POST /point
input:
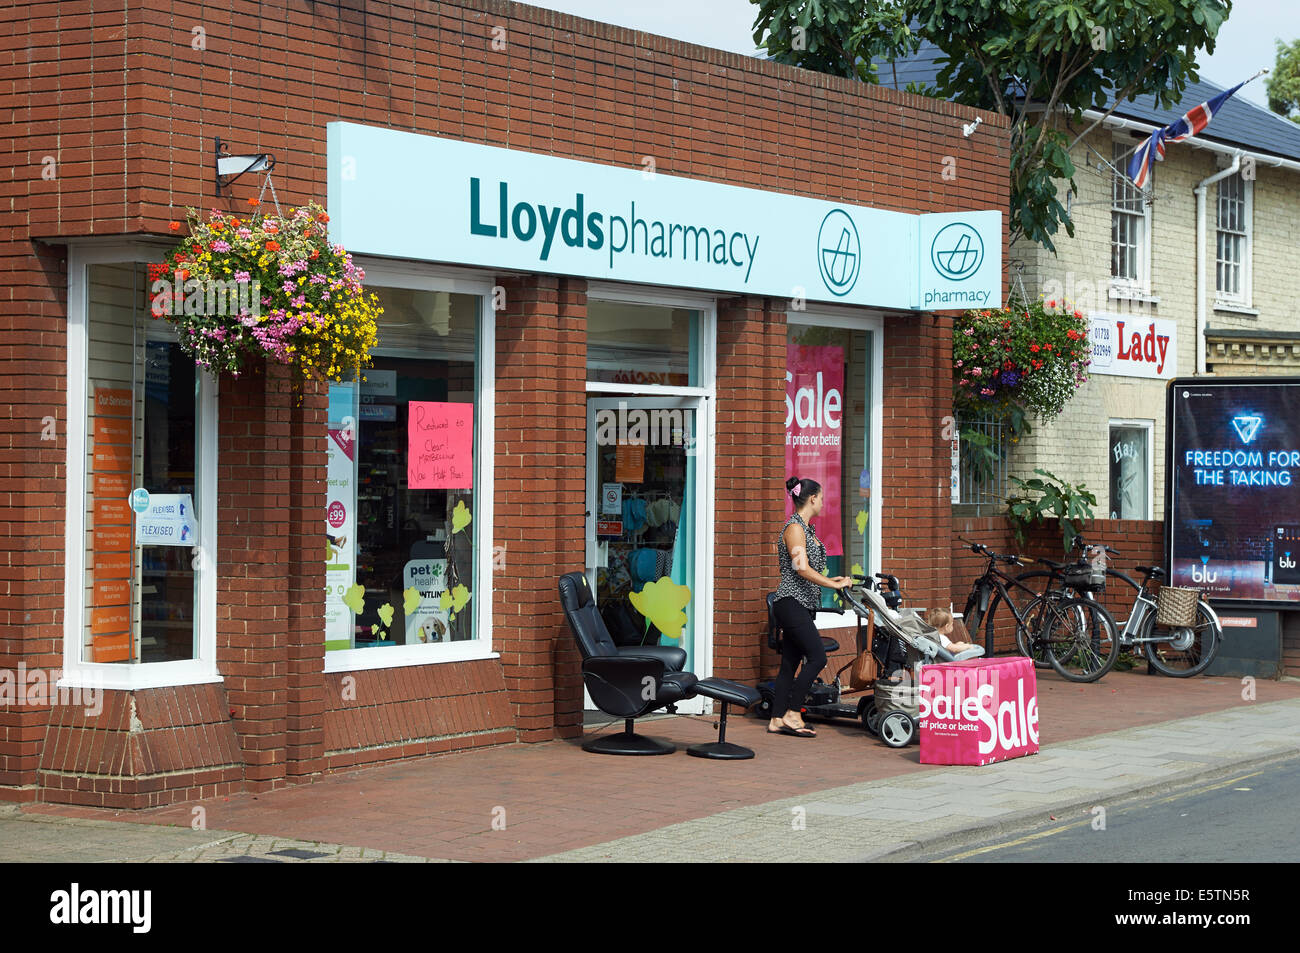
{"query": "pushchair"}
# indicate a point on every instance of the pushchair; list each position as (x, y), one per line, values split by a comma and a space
(903, 643)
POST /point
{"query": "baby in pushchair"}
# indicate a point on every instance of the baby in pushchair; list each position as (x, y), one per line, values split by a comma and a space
(903, 643)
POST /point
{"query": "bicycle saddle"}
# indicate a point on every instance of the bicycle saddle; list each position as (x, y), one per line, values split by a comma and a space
(1050, 564)
(1155, 572)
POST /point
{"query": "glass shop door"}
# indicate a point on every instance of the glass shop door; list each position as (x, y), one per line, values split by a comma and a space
(643, 528)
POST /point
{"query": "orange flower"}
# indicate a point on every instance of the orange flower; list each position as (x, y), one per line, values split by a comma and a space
(270, 228)
(272, 246)
(174, 226)
(252, 203)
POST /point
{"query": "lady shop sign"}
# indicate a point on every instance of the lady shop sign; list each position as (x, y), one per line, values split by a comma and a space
(814, 405)
(1130, 345)
(978, 711)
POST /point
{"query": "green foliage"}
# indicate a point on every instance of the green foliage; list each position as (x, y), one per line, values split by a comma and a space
(840, 37)
(1283, 84)
(978, 454)
(1045, 497)
(1039, 62)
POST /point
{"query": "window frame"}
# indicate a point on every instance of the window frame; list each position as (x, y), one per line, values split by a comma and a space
(203, 667)
(1141, 283)
(1243, 298)
(1149, 425)
(857, 319)
(389, 273)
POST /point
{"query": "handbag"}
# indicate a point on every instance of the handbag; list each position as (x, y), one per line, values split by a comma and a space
(865, 669)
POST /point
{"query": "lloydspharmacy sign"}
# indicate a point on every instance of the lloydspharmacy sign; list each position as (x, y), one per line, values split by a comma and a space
(411, 196)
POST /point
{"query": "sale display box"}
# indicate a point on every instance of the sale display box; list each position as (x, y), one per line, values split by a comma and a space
(978, 711)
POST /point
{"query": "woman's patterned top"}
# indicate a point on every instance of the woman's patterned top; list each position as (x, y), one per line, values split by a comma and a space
(792, 584)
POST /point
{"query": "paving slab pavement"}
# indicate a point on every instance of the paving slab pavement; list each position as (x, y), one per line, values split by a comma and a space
(556, 802)
(846, 824)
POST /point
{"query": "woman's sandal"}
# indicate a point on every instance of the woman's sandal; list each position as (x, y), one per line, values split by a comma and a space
(804, 732)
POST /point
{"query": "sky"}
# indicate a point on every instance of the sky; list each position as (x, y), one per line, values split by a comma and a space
(1245, 42)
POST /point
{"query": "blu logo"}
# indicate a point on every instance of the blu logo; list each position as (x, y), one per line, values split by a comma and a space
(1286, 562)
(1203, 573)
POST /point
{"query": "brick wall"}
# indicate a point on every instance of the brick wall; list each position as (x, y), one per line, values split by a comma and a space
(749, 480)
(95, 148)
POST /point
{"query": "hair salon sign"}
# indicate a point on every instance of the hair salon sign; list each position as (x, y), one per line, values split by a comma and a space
(1131, 345)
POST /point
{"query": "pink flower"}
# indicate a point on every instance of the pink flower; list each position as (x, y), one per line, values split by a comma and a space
(242, 277)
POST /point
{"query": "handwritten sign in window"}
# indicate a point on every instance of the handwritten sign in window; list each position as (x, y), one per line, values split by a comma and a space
(440, 452)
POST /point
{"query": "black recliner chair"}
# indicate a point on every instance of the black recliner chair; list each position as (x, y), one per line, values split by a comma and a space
(617, 678)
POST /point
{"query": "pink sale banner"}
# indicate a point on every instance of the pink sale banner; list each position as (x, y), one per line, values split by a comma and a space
(814, 405)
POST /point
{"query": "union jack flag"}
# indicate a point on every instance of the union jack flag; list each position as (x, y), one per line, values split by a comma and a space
(1153, 150)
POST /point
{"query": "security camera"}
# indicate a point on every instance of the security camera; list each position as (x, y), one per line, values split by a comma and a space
(970, 127)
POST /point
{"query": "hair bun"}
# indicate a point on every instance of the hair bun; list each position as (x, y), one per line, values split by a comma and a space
(791, 483)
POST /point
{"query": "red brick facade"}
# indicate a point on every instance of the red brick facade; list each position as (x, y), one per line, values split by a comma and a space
(110, 120)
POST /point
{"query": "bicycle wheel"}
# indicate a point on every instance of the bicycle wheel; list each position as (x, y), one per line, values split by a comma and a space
(1186, 651)
(1118, 598)
(1001, 626)
(1082, 643)
(1030, 642)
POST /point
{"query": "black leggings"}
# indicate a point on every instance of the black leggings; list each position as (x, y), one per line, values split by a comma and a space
(800, 640)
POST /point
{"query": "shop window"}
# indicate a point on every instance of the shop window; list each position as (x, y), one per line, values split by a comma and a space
(828, 435)
(403, 449)
(642, 344)
(1130, 471)
(144, 493)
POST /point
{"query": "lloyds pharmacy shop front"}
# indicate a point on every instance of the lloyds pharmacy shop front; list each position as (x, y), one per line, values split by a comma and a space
(681, 466)
(579, 367)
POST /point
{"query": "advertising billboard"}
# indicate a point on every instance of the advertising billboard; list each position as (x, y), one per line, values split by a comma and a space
(1234, 487)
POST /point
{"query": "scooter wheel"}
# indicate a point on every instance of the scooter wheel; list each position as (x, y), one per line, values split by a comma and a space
(897, 729)
(871, 720)
(764, 707)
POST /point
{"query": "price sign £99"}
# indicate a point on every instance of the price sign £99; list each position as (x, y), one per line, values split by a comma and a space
(440, 449)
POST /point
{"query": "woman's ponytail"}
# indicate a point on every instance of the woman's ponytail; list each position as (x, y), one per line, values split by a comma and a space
(802, 490)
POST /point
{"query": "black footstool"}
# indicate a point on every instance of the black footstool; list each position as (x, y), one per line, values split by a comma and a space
(726, 692)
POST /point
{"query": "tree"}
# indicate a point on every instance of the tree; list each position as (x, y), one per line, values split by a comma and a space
(1284, 84)
(1039, 62)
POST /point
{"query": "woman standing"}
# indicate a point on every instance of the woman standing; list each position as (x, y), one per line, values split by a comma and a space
(802, 558)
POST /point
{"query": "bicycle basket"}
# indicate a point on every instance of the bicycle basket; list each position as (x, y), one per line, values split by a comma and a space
(1085, 577)
(1176, 607)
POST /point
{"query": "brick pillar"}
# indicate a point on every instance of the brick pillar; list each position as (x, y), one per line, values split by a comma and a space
(253, 584)
(33, 449)
(749, 479)
(540, 485)
(305, 719)
(916, 492)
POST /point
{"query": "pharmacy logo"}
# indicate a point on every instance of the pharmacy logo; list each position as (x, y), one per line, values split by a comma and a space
(957, 251)
(1247, 426)
(839, 252)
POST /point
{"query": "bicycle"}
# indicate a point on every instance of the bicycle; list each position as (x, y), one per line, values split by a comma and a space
(1185, 651)
(1077, 637)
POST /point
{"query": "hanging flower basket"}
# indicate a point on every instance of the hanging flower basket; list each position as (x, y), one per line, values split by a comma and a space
(1027, 358)
(273, 288)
